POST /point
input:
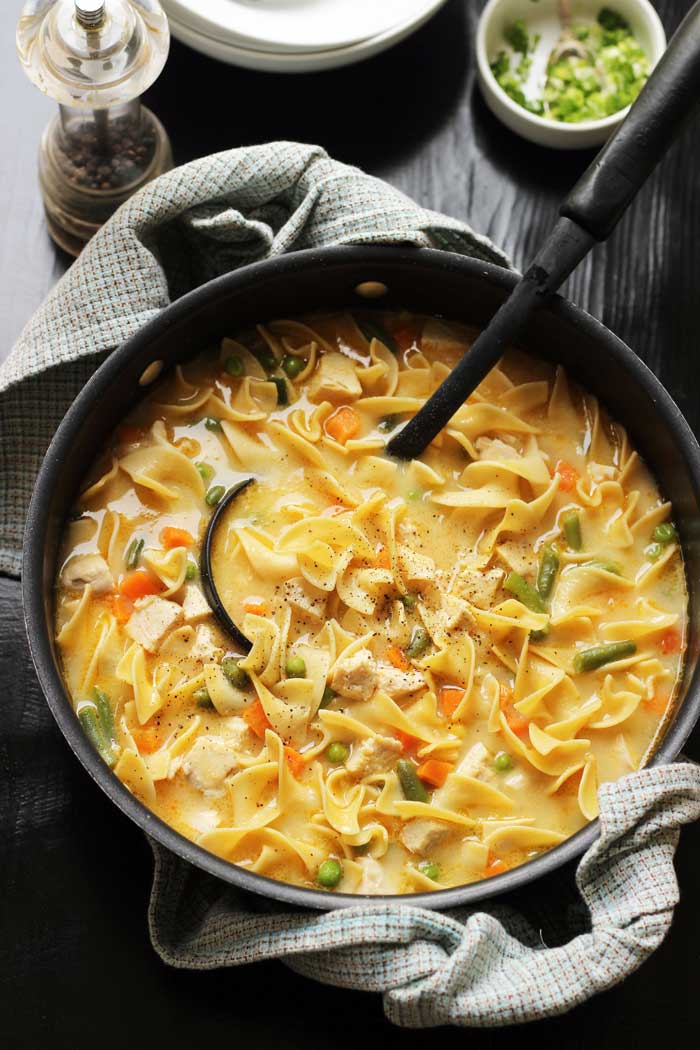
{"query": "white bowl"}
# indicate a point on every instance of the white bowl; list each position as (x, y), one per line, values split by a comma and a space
(542, 17)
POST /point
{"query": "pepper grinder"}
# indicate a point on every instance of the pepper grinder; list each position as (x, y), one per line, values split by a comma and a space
(95, 58)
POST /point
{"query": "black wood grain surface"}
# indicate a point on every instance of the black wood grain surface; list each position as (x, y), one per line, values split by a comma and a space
(76, 968)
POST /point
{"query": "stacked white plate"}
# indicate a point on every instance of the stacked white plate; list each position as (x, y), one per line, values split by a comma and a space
(295, 36)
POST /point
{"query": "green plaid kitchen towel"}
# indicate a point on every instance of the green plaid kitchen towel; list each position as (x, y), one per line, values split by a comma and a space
(483, 967)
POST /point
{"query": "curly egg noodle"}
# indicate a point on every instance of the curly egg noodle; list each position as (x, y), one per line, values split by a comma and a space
(448, 656)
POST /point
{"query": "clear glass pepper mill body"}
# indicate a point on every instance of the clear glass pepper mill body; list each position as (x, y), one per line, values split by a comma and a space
(95, 58)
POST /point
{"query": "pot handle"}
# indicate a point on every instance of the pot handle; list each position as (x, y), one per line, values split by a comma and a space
(606, 189)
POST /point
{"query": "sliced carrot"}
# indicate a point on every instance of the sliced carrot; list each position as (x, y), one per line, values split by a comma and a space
(138, 584)
(516, 722)
(147, 740)
(670, 641)
(494, 866)
(343, 424)
(257, 608)
(408, 743)
(568, 476)
(382, 559)
(658, 703)
(434, 772)
(188, 446)
(295, 761)
(397, 658)
(257, 719)
(122, 608)
(450, 699)
(171, 537)
(129, 435)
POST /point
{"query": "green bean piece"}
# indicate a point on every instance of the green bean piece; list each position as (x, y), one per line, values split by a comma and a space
(599, 655)
(236, 675)
(410, 781)
(337, 753)
(524, 592)
(293, 365)
(282, 392)
(430, 869)
(329, 874)
(328, 696)
(410, 600)
(503, 762)
(419, 643)
(371, 331)
(91, 722)
(214, 495)
(653, 551)
(205, 472)
(212, 423)
(295, 667)
(133, 553)
(234, 365)
(191, 570)
(201, 698)
(104, 710)
(571, 524)
(388, 423)
(547, 571)
(665, 533)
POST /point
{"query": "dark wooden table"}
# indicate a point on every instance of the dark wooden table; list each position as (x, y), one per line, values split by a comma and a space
(76, 967)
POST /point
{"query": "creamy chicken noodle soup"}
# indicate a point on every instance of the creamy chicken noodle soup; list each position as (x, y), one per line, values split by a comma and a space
(448, 656)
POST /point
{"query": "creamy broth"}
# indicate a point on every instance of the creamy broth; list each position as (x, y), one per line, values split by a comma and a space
(448, 656)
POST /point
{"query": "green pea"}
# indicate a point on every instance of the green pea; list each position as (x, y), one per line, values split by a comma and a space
(665, 533)
(337, 753)
(414, 494)
(328, 696)
(214, 495)
(654, 551)
(430, 869)
(540, 635)
(133, 553)
(212, 423)
(234, 365)
(296, 667)
(266, 359)
(410, 781)
(282, 393)
(205, 471)
(236, 675)
(191, 570)
(503, 762)
(201, 698)
(571, 524)
(329, 874)
(293, 365)
(420, 641)
(388, 423)
(410, 600)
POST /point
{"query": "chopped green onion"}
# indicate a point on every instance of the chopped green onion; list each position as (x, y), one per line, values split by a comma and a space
(571, 525)
(212, 423)
(133, 553)
(548, 569)
(295, 667)
(503, 762)
(236, 675)
(599, 655)
(665, 533)
(234, 365)
(410, 781)
(293, 365)
(430, 869)
(524, 592)
(214, 495)
(420, 641)
(282, 393)
(337, 753)
(329, 874)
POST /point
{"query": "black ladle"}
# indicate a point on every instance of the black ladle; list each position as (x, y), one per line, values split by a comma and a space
(588, 216)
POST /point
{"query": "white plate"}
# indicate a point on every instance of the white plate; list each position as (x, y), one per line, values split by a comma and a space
(309, 62)
(295, 25)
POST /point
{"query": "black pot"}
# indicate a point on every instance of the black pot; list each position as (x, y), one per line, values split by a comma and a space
(423, 280)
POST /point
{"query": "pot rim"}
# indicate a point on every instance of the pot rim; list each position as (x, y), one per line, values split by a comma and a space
(35, 538)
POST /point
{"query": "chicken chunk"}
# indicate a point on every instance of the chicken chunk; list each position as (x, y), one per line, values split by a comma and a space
(152, 620)
(372, 880)
(194, 605)
(356, 676)
(420, 835)
(479, 588)
(208, 763)
(415, 567)
(374, 755)
(334, 380)
(237, 732)
(87, 569)
(477, 763)
(307, 599)
(204, 646)
(399, 683)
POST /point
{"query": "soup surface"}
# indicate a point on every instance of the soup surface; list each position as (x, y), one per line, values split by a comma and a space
(448, 656)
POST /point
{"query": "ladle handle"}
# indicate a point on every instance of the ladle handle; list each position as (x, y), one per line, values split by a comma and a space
(608, 186)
